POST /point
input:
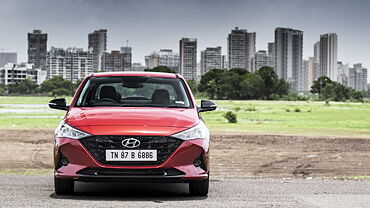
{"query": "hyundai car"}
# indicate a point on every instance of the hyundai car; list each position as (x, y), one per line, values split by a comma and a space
(132, 127)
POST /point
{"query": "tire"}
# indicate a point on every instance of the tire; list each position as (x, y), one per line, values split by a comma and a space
(64, 186)
(199, 187)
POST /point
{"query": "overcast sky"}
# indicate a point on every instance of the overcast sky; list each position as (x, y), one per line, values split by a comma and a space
(154, 24)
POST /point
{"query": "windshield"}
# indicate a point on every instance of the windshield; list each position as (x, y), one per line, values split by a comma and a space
(129, 91)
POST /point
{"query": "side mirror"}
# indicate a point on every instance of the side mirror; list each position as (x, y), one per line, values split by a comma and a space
(59, 103)
(206, 105)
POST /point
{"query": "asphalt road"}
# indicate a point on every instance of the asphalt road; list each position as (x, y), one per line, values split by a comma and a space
(38, 191)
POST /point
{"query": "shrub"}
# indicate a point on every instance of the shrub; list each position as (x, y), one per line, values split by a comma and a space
(297, 110)
(287, 109)
(250, 108)
(231, 117)
(237, 109)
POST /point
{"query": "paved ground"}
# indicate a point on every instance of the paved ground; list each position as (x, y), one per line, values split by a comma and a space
(37, 191)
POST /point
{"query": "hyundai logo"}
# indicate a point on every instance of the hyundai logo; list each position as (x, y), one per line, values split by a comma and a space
(130, 143)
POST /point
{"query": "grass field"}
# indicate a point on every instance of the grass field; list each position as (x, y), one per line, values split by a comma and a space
(257, 117)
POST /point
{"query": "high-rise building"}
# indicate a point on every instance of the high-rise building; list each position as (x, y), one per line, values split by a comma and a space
(163, 57)
(316, 52)
(224, 63)
(241, 47)
(126, 49)
(271, 52)
(288, 56)
(6, 57)
(252, 50)
(210, 59)
(309, 70)
(98, 44)
(262, 58)
(37, 48)
(71, 63)
(316, 56)
(328, 55)
(188, 58)
(343, 73)
(357, 77)
(116, 61)
(12, 73)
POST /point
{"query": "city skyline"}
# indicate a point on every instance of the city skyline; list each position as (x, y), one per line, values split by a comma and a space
(210, 23)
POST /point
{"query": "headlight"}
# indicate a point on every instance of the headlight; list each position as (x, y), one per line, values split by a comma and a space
(65, 130)
(200, 131)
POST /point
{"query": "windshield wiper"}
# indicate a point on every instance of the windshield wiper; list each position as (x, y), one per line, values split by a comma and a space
(174, 106)
(105, 105)
(131, 105)
(151, 105)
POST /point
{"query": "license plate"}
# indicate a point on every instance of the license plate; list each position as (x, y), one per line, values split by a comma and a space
(131, 155)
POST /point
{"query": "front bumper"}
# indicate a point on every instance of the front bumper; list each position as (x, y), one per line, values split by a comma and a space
(84, 167)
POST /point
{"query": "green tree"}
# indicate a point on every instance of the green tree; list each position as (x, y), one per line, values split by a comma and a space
(77, 84)
(238, 71)
(57, 86)
(281, 88)
(210, 83)
(251, 86)
(269, 79)
(193, 86)
(335, 92)
(160, 69)
(25, 86)
(357, 95)
(2, 89)
(320, 84)
(230, 84)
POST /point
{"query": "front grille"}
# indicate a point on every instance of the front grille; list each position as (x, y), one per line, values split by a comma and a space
(97, 145)
(129, 172)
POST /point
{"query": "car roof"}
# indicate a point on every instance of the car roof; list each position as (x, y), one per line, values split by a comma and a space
(146, 74)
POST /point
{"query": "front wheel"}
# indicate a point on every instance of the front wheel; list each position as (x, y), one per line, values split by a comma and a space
(199, 187)
(63, 186)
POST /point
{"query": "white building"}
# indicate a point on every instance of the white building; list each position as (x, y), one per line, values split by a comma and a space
(343, 73)
(163, 57)
(116, 61)
(357, 77)
(210, 59)
(262, 58)
(137, 67)
(71, 63)
(12, 73)
(310, 68)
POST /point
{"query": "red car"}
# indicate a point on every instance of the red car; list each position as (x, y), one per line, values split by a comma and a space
(132, 126)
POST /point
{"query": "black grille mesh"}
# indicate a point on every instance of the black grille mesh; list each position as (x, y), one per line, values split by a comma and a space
(97, 145)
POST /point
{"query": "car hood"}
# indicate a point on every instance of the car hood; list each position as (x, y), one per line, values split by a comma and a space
(132, 120)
